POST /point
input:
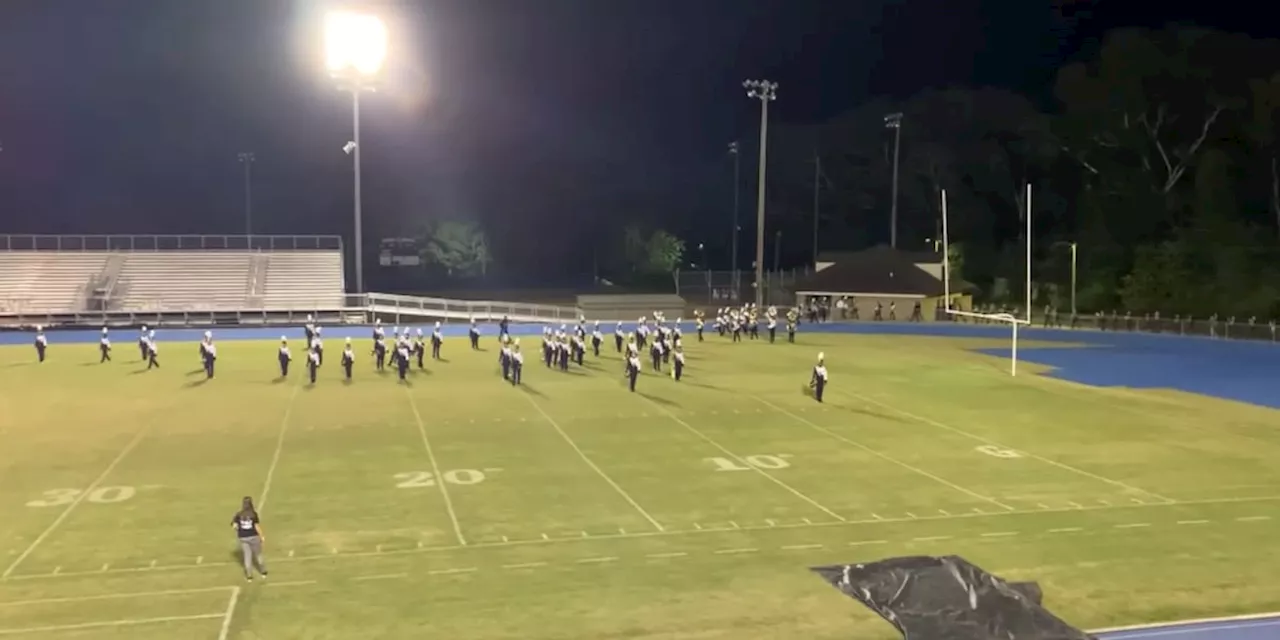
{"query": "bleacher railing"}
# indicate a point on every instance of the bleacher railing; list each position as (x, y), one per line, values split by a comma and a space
(117, 242)
(481, 310)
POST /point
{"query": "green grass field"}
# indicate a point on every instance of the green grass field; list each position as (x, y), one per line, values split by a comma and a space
(460, 507)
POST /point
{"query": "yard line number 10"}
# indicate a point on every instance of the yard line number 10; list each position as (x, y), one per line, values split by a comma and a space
(768, 462)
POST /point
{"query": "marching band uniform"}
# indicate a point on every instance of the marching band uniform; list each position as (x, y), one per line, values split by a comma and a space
(792, 317)
(633, 369)
(678, 371)
(284, 356)
(348, 358)
(104, 345)
(474, 334)
(402, 359)
(210, 355)
(42, 343)
(656, 352)
(700, 324)
(309, 329)
(617, 338)
(773, 327)
(548, 350)
(504, 359)
(152, 351)
(419, 349)
(379, 351)
(503, 329)
(564, 352)
(316, 345)
(596, 339)
(313, 363)
(437, 339)
(819, 380)
(517, 363)
(579, 349)
(642, 333)
(142, 343)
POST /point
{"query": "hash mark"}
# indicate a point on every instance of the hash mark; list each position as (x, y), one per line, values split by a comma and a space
(526, 565)
(504, 539)
(291, 553)
(1000, 534)
(734, 524)
(876, 516)
(441, 572)
(106, 566)
(771, 523)
(57, 570)
(1075, 505)
(1137, 501)
(546, 537)
(1193, 522)
(860, 543)
(807, 521)
(697, 526)
(386, 576)
(622, 531)
(1134, 525)
(944, 512)
(200, 560)
(911, 515)
(733, 551)
(601, 559)
(585, 535)
(1066, 530)
(798, 547)
(419, 545)
(1042, 505)
(931, 538)
(1253, 518)
(674, 554)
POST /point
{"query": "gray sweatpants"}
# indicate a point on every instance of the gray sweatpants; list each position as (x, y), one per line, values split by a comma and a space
(251, 552)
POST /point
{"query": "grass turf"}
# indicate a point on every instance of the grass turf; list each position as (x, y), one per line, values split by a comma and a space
(571, 508)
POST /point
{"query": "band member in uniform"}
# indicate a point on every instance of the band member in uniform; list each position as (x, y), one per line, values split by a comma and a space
(309, 329)
(152, 351)
(316, 345)
(617, 338)
(418, 348)
(819, 380)
(642, 332)
(437, 340)
(517, 363)
(348, 358)
(548, 351)
(735, 323)
(379, 350)
(104, 345)
(678, 370)
(210, 355)
(633, 369)
(596, 339)
(378, 332)
(42, 343)
(474, 334)
(142, 343)
(655, 352)
(284, 356)
(503, 327)
(249, 533)
(773, 327)
(700, 323)
(792, 317)
(579, 348)
(402, 359)
(504, 358)
(313, 363)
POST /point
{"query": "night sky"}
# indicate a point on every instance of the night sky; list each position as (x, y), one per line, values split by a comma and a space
(542, 118)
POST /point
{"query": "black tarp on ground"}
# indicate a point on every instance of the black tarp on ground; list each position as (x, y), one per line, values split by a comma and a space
(949, 599)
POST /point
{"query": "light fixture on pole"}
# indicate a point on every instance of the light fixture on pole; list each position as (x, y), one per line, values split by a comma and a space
(737, 191)
(355, 46)
(765, 92)
(894, 121)
(246, 159)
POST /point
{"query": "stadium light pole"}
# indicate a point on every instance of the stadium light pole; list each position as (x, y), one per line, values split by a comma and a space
(765, 92)
(1074, 252)
(894, 121)
(246, 159)
(355, 47)
(737, 188)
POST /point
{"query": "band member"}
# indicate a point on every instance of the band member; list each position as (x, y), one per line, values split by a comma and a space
(310, 329)
(210, 355)
(548, 348)
(633, 370)
(773, 327)
(437, 340)
(284, 356)
(655, 353)
(348, 359)
(504, 358)
(42, 343)
(503, 329)
(316, 345)
(313, 364)
(699, 322)
(678, 370)
(419, 348)
(474, 334)
(402, 359)
(596, 339)
(379, 351)
(819, 380)
(153, 352)
(104, 346)
(792, 318)
(517, 363)
(142, 343)
(579, 348)
(618, 338)
(249, 532)
(565, 351)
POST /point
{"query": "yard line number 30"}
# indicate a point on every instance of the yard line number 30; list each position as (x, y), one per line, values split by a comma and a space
(101, 495)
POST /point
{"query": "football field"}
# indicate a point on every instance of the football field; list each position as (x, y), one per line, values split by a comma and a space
(458, 506)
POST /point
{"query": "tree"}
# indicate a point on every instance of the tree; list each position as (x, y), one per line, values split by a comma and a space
(652, 254)
(460, 248)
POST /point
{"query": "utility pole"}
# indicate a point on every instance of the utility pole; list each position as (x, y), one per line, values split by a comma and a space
(765, 92)
(737, 192)
(894, 121)
(246, 159)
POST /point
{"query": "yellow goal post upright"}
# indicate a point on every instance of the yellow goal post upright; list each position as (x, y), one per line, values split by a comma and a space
(1012, 320)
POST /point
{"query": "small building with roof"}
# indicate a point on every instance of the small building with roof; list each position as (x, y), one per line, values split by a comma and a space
(881, 275)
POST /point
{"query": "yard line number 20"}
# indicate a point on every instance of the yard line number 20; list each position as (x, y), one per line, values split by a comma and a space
(423, 479)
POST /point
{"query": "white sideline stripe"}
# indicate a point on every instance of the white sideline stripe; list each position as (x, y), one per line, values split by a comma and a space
(740, 461)
(885, 457)
(115, 596)
(111, 623)
(1192, 621)
(75, 503)
(435, 468)
(275, 457)
(677, 533)
(225, 631)
(978, 438)
(600, 472)
(1256, 624)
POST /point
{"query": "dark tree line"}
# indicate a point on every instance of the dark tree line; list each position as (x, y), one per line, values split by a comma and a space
(1159, 160)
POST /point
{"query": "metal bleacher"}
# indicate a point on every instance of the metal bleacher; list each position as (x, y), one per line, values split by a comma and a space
(182, 280)
(31, 281)
(308, 275)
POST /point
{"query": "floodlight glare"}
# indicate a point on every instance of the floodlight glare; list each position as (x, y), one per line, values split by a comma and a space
(354, 42)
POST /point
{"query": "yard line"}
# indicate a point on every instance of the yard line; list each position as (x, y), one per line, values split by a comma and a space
(275, 457)
(109, 623)
(114, 596)
(885, 457)
(987, 441)
(435, 468)
(225, 632)
(573, 445)
(137, 438)
(744, 463)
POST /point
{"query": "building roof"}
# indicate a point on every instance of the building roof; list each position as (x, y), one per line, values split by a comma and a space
(876, 270)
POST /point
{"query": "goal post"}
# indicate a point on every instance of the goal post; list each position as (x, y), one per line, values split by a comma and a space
(1012, 320)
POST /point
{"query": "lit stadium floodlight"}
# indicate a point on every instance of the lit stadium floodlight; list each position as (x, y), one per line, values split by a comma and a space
(766, 92)
(354, 43)
(355, 48)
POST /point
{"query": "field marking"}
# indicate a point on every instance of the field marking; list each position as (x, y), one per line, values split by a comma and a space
(115, 596)
(1253, 518)
(1194, 621)
(678, 533)
(1000, 534)
(385, 576)
(435, 467)
(275, 457)
(1193, 522)
(225, 632)
(884, 456)
(601, 559)
(109, 623)
(581, 454)
(978, 438)
(133, 444)
(741, 461)
(446, 572)
(1133, 525)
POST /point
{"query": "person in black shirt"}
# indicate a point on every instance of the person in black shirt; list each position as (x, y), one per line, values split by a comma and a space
(249, 533)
